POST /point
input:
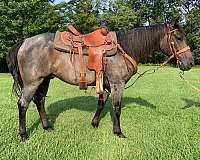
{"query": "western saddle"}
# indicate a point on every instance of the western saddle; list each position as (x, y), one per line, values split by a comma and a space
(96, 45)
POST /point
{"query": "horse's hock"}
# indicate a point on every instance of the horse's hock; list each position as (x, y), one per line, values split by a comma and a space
(95, 45)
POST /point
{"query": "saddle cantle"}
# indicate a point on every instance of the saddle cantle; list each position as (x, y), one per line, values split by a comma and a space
(95, 45)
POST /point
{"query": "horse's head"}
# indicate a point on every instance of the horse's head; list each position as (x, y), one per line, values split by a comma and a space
(174, 44)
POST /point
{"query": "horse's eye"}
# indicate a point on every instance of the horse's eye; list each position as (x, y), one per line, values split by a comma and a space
(179, 38)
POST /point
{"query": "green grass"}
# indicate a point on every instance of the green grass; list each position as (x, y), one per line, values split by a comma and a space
(160, 117)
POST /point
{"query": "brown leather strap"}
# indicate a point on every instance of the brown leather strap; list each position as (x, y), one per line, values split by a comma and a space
(166, 61)
(83, 84)
(183, 50)
(177, 54)
(73, 30)
(129, 58)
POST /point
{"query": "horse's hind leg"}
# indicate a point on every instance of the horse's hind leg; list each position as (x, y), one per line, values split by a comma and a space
(101, 102)
(116, 94)
(25, 99)
(39, 100)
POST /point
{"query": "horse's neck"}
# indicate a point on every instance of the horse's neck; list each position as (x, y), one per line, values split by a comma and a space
(141, 42)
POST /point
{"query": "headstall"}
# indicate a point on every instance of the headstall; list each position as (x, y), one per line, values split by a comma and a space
(171, 43)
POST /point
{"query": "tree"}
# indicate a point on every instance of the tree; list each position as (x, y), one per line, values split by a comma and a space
(155, 11)
(192, 28)
(83, 14)
(121, 16)
(20, 19)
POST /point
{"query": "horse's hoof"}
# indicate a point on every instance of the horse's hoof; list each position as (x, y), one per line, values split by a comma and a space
(48, 129)
(24, 137)
(95, 124)
(120, 135)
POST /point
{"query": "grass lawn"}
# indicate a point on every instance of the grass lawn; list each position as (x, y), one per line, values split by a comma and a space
(160, 117)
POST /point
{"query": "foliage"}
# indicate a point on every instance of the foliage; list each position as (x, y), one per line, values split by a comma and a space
(193, 32)
(156, 11)
(25, 18)
(83, 14)
(121, 16)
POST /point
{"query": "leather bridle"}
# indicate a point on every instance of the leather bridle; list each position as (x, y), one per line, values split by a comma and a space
(171, 43)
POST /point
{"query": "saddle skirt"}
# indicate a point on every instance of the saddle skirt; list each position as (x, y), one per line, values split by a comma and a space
(95, 45)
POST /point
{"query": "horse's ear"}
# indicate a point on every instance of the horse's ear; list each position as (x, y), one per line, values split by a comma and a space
(176, 22)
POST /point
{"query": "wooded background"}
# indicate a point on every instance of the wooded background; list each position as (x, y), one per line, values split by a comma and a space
(20, 19)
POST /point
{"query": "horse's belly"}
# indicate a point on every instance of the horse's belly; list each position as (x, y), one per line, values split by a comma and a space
(67, 69)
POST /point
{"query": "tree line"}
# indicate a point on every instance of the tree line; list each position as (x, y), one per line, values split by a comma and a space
(20, 19)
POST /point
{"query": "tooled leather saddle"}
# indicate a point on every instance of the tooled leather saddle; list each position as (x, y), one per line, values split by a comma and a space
(95, 45)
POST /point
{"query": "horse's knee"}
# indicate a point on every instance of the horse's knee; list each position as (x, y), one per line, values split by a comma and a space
(22, 105)
(117, 106)
(117, 112)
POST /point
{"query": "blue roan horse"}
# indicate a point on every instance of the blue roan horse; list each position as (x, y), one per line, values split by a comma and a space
(34, 61)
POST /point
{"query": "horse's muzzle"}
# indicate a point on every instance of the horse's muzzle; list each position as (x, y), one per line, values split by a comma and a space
(185, 63)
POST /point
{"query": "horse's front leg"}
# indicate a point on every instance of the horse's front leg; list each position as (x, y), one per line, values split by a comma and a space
(101, 103)
(116, 95)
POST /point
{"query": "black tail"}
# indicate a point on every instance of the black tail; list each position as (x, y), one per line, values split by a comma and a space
(13, 67)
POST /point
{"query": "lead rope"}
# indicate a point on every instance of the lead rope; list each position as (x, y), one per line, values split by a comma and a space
(89, 93)
(151, 71)
(132, 61)
(181, 73)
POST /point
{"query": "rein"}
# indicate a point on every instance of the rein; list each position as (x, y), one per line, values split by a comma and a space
(151, 71)
(187, 82)
(134, 64)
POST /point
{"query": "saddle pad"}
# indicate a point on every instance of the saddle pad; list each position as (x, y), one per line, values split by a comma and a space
(59, 44)
(63, 45)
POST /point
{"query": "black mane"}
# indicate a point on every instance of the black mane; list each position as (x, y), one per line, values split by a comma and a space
(141, 42)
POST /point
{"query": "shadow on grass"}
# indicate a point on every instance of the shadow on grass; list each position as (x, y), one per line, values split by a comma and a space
(85, 103)
(190, 103)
